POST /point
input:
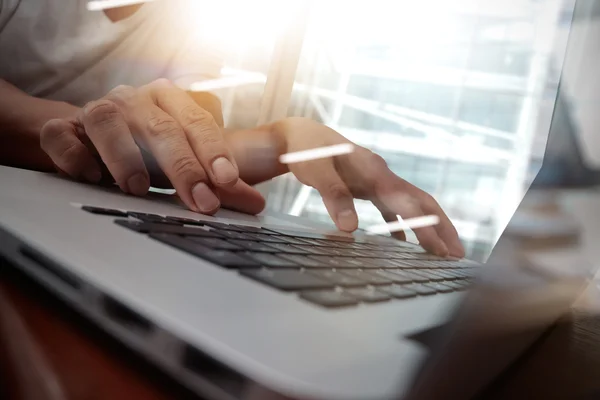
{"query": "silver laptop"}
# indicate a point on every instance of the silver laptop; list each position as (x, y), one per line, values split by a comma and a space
(272, 300)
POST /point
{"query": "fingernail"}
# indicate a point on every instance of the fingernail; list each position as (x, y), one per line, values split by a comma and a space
(138, 184)
(92, 174)
(347, 220)
(224, 170)
(204, 198)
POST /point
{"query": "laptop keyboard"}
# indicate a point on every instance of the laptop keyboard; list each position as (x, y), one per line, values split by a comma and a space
(329, 271)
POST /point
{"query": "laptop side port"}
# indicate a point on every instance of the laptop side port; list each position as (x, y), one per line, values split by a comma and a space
(126, 317)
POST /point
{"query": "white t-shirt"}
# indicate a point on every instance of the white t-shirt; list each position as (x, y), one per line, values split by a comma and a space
(57, 49)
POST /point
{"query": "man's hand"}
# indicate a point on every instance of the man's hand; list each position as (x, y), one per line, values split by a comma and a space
(131, 128)
(364, 175)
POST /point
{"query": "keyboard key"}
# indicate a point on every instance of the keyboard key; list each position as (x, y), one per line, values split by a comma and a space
(421, 289)
(367, 276)
(339, 262)
(251, 229)
(313, 242)
(287, 279)
(329, 298)
(416, 276)
(291, 240)
(338, 278)
(319, 251)
(185, 221)
(302, 260)
(368, 295)
(254, 246)
(104, 211)
(259, 237)
(432, 275)
(215, 243)
(224, 227)
(152, 218)
(313, 235)
(232, 234)
(220, 257)
(147, 227)
(380, 263)
(288, 248)
(439, 287)
(399, 292)
(269, 260)
(396, 276)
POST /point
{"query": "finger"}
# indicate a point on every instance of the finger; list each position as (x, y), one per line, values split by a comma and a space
(335, 193)
(201, 130)
(168, 143)
(106, 127)
(242, 197)
(392, 193)
(409, 207)
(445, 229)
(58, 138)
(389, 216)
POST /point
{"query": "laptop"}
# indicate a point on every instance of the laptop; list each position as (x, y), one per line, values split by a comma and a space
(276, 300)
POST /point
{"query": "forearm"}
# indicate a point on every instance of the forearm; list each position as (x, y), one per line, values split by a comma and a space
(257, 152)
(21, 120)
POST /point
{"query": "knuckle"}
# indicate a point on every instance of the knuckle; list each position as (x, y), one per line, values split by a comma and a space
(377, 160)
(70, 152)
(163, 126)
(338, 190)
(162, 82)
(52, 130)
(184, 166)
(122, 94)
(102, 112)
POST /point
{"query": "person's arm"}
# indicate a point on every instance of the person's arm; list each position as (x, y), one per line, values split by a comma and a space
(21, 120)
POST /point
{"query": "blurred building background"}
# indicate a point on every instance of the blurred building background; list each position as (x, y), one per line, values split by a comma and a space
(456, 96)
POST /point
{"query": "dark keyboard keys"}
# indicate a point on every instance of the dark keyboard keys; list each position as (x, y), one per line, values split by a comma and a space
(416, 276)
(223, 258)
(439, 287)
(233, 234)
(291, 240)
(395, 276)
(288, 248)
(368, 295)
(147, 227)
(421, 289)
(215, 243)
(339, 279)
(329, 298)
(287, 279)
(302, 260)
(151, 218)
(270, 260)
(367, 276)
(260, 237)
(185, 221)
(254, 246)
(104, 211)
(339, 262)
(399, 292)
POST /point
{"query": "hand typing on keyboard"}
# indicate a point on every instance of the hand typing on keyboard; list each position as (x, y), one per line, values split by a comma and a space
(160, 131)
(364, 175)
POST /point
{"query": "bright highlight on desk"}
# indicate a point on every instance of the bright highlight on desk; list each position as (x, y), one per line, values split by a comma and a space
(315, 154)
(404, 224)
